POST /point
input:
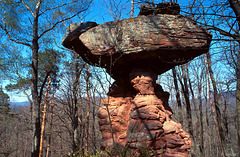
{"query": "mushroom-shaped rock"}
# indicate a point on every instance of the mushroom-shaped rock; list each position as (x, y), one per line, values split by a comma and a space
(134, 51)
(157, 42)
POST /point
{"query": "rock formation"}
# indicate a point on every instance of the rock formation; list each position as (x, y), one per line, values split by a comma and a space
(142, 121)
(134, 51)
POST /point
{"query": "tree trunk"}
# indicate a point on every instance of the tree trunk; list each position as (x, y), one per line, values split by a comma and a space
(34, 85)
(35, 106)
(44, 117)
(132, 8)
(201, 141)
(187, 99)
(193, 95)
(88, 108)
(215, 95)
(94, 121)
(188, 106)
(180, 116)
(238, 98)
(51, 124)
(25, 149)
(75, 140)
(223, 135)
(213, 107)
(235, 5)
(83, 130)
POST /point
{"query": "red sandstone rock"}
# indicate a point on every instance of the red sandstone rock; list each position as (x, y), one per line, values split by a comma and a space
(119, 111)
(143, 86)
(143, 121)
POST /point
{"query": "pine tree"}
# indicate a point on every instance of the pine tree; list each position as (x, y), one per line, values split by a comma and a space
(4, 102)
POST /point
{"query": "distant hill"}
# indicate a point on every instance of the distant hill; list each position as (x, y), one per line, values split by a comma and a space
(19, 104)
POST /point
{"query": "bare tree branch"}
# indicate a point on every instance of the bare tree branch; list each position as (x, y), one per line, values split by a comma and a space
(62, 21)
(10, 38)
(28, 8)
(59, 6)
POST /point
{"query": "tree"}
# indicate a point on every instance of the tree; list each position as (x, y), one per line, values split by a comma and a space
(235, 5)
(180, 116)
(88, 107)
(26, 23)
(222, 19)
(44, 115)
(4, 102)
(69, 95)
(198, 72)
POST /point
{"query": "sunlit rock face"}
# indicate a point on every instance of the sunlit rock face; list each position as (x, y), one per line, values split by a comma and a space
(134, 51)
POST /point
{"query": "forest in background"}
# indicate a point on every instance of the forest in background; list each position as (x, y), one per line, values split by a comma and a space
(65, 93)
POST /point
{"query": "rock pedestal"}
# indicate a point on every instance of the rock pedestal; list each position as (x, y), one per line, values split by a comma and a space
(140, 119)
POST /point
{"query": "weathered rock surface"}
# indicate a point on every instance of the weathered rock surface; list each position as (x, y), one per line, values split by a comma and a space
(146, 41)
(74, 31)
(143, 121)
